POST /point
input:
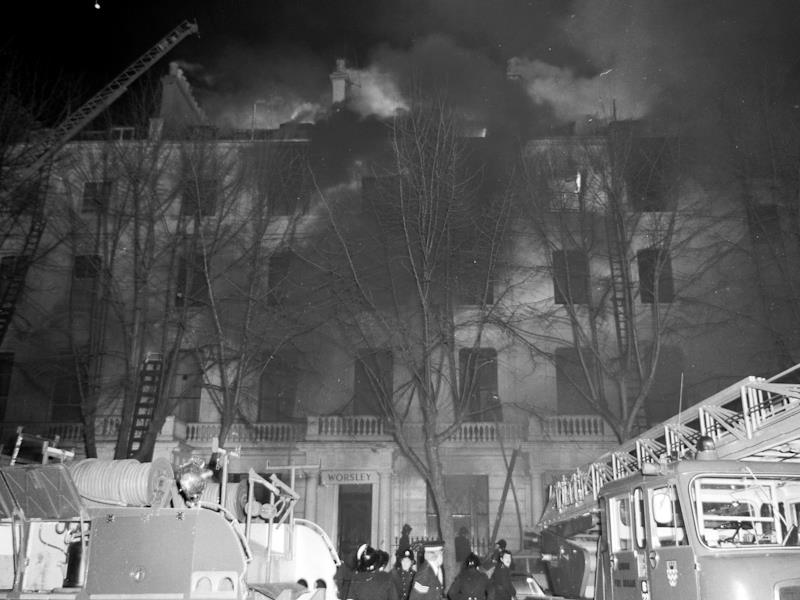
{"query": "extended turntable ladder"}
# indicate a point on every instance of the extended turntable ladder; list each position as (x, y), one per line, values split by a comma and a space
(753, 419)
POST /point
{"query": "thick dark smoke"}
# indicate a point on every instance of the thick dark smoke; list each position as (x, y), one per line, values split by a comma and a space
(663, 59)
(666, 60)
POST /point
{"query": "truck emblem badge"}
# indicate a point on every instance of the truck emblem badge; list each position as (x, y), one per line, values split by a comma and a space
(672, 572)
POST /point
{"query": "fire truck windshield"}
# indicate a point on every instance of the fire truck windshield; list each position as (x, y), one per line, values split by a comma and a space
(746, 510)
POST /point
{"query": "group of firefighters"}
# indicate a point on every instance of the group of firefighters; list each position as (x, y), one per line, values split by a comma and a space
(418, 576)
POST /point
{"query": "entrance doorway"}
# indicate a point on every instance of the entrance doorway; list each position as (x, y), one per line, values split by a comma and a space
(355, 517)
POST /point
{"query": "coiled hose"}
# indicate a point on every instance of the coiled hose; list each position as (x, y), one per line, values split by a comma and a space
(124, 482)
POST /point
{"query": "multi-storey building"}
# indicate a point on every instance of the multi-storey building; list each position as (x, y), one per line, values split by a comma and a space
(186, 263)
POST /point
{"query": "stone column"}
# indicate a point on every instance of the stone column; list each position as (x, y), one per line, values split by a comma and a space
(312, 479)
(384, 514)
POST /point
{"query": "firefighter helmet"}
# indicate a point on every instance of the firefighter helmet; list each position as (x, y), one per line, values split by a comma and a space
(368, 558)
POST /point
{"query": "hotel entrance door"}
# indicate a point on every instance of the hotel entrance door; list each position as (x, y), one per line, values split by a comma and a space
(355, 518)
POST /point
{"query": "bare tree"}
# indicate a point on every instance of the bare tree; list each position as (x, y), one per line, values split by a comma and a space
(624, 244)
(249, 261)
(413, 273)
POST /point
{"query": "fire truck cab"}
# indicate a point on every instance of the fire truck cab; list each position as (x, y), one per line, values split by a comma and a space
(701, 529)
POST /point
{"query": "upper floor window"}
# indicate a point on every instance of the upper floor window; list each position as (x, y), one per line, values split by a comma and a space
(373, 380)
(479, 384)
(187, 387)
(566, 190)
(96, 195)
(655, 275)
(278, 387)
(12, 267)
(191, 283)
(6, 368)
(474, 280)
(277, 278)
(87, 266)
(570, 277)
(199, 197)
(68, 382)
(648, 171)
(573, 392)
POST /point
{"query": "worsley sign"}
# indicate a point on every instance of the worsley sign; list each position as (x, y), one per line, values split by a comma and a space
(337, 477)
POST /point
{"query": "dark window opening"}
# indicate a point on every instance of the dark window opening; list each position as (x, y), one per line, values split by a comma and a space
(373, 381)
(282, 181)
(655, 276)
(6, 368)
(96, 195)
(573, 391)
(187, 388)
(278, 387)
(278, 277)
(648, 169)
(479, 384)
(12, 269)
(199, 197)
(87, 266)
(570, 277)
(192, 288)
(69, 379)
(475, 282)
(663, 401)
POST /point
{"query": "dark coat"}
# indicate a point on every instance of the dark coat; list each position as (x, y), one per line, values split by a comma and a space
(372, 585)
(463, 548)
(469, 584)
(426, 584)
(402, 581)
(502, 588)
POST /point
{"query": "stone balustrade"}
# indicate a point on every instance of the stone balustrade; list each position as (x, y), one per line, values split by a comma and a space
(576, 427)
(336, 428)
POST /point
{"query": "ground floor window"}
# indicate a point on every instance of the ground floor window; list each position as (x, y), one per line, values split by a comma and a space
(469, 497)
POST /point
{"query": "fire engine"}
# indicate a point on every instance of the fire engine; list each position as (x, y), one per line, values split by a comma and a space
(124, 530)
(704, 506)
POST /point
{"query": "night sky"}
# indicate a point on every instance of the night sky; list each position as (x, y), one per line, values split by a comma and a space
(571, 58)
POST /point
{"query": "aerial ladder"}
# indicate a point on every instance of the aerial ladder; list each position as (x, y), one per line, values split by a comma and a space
(42, 151)
(146, 399)
(755, 419)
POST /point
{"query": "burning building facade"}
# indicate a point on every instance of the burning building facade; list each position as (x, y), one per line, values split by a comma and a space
(318, 300)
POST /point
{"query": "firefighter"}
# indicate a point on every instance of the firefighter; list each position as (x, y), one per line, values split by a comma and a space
(471, 583)
(428, 580)
(502, 586)
(370, 582)
(403, 573)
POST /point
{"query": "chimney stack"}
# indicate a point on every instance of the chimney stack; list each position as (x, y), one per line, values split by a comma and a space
(339, 82)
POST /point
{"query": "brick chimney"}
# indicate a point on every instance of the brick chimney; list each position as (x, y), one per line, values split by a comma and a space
(339, 82)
